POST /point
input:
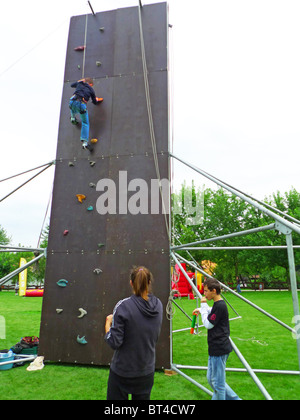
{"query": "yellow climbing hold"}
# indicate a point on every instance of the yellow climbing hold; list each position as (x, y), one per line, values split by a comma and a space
(94, 141)
(81, 197)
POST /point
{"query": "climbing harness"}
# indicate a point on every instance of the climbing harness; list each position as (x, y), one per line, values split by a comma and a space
(76, 98)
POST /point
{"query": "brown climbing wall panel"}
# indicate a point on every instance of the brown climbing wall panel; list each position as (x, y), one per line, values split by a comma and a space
(110, 242)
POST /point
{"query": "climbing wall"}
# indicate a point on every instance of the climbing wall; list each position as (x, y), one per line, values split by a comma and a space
(90, 254)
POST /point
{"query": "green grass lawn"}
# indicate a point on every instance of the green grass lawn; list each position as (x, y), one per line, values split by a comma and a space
(264, 344)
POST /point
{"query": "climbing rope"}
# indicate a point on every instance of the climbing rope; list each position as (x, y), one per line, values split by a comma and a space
(84, 51)
(150, 116)
(170, 310)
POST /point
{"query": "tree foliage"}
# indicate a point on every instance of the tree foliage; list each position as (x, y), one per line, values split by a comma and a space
(224, 214)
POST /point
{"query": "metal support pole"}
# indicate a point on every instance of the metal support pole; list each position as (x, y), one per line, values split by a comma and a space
(7, 248)
(19, 270)
(89, 3)
(184, 313)
(251, 372)
(174, 367)
(220, 238)
(21, 358)
(240, 297)
(237, 248)
(26, 182)
(293, 279)
(295, 228)
(186, 276)
(271, 371)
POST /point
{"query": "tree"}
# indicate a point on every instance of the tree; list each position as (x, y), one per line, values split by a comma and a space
(4, 239)
(225, 214)
(5, 260)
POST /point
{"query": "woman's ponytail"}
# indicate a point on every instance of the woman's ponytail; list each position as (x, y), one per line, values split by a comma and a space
(141, 279)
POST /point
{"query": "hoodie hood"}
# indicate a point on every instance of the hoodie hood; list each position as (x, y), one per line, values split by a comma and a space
(149, 308)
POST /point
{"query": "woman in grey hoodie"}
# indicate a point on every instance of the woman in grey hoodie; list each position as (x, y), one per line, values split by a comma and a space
(132, 331)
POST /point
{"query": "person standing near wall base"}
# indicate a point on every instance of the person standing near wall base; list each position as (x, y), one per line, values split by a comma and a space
(216, 321)
(133, 331)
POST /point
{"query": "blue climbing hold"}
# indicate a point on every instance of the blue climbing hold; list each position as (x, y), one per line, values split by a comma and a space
(81, 340)
(62, 283)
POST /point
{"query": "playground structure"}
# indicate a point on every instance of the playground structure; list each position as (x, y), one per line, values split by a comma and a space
(181, 284)
(92, 259)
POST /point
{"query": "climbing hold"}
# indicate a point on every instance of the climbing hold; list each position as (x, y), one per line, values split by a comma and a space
(98, 63)
(92, 163)
(101, 29)
(80, 48)
(94, 141)
(62, 283)
(82, 313)
(80, 197)
(91, 208)
(66, 232)
(59, 311)
(79, 67)
(101, 245)
(81, 340)
(71, 164)
(98, 271)
(92, 185)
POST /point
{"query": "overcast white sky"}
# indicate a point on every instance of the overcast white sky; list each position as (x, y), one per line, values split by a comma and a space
(236, 100)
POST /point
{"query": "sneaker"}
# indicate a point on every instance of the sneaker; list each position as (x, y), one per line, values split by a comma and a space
(87, 146)
(74, 121)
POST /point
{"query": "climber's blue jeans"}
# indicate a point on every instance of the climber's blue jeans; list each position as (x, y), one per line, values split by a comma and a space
(216, 377)
(76, 107)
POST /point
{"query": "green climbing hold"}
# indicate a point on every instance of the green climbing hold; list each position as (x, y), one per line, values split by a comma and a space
(91, 208)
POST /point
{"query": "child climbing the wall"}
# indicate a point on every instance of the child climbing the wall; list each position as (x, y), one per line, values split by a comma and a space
(78, 105)
(216, 320)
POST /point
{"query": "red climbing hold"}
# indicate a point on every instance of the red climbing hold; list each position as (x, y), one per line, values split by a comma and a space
(66, 232)
(81, 48)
